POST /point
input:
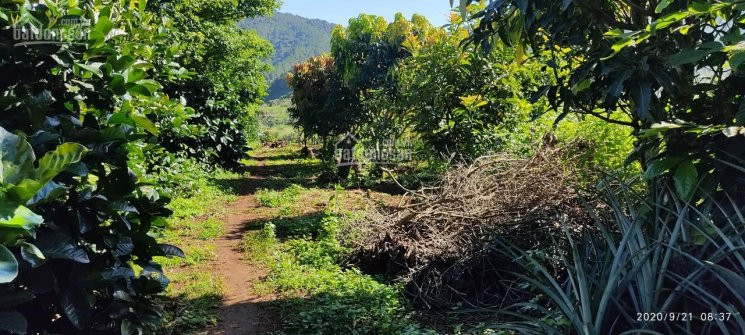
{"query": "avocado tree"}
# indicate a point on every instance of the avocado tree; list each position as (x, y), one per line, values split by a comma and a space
(224, 84)
(322, 106)
(367, 53)
(672, 70)
(459, 100)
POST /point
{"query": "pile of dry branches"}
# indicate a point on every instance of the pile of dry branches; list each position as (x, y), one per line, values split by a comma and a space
(438, 239)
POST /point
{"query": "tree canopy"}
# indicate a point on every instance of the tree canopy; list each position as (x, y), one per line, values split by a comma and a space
(672, 67)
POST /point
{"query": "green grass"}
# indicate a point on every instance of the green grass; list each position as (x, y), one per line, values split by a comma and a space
(318, 293)
(275, 123)
(275, 199)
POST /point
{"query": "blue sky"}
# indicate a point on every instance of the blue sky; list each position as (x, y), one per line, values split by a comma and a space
(339, 11)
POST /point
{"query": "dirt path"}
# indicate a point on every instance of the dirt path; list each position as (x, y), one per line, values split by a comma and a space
(243, 311)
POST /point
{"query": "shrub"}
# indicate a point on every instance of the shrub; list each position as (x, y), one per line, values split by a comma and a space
(225, 84)
(76, 253)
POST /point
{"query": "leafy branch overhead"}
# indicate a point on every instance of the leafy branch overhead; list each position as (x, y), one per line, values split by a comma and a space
(654, 63)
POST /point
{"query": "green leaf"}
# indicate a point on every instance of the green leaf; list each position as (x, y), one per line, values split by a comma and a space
(16, 158)
(139, 90)
(688, 57)
(145, 123)
(13, 322)
(93, 68)
(668, 20)
(642, 96)
(657, 167)
(662, 5)
(8, 266)
(117, 84)
(60, 246)
(135, 75)
(60, 159)
(171, 250)
(736, 59)
(582, 85)
(32, 254)
(25, 190)
(732, 280)
(77, 307)
(151, 85)
(129, 328)
(700, 7)
(103, 25)
(49, 192)
(464, 8)
(693, 56)
(21, 218)
(686, 177)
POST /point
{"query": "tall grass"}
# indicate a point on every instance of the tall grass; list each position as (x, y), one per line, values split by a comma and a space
(656, 257)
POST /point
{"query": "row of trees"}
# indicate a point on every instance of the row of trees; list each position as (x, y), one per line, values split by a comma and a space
(387, 81)
(94, 95)
(670, 71)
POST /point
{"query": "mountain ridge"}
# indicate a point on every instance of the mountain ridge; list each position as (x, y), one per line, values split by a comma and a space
(295, 39)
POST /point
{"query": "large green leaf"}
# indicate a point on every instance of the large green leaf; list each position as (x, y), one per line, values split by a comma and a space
(171, 250)
(13, 322)
(736, 59)
(660, 166)
(8, 265)
(32, 254)
(642, 96)
(145, 123)
(20, 218)
(686, 177)
(60, 246)
(57, 161)
(77, 307)
(693, 56)
(25, 190)
(16, 158)
(129, 328)
(662, 5)
(49, 192)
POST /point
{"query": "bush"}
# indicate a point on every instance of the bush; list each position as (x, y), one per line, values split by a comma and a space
(76, 250)
(225, 84)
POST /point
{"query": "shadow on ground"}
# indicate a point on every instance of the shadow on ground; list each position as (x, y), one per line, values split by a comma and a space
(184, 315)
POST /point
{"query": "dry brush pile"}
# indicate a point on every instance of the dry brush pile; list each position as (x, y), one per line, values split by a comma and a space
(440, 240)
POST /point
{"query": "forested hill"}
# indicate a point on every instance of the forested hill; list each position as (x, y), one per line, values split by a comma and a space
(295, 39)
